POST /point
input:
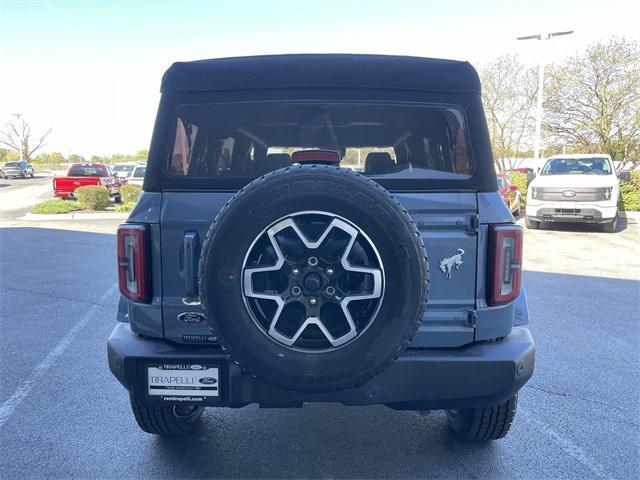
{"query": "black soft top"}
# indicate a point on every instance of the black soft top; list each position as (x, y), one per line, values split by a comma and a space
(322, 71)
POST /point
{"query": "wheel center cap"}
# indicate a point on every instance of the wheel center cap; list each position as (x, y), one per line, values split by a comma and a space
(312, 282)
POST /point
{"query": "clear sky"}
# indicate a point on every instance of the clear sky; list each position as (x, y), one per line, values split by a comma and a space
(92, 69)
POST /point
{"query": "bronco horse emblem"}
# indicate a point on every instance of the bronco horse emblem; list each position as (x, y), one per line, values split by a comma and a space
(446, 264)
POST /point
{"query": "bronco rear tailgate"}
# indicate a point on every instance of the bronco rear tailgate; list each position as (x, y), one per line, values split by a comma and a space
(447, 224)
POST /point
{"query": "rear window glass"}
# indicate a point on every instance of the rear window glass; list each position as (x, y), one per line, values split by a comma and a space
(139, 172)
(87, 171)
(12, 164)
(123, 168)
(245, 140)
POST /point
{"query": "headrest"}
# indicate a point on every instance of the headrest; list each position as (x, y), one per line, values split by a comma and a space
(378, 163)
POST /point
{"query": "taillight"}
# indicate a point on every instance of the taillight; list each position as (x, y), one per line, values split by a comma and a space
(133, 262)
(506, 256)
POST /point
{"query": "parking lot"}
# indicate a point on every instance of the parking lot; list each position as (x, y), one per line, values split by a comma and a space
(62, 413)
(17, 195)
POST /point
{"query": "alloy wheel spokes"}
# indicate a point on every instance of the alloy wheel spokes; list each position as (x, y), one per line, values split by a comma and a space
(314, 284)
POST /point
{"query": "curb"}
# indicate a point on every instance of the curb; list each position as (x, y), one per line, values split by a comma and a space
(74, 216)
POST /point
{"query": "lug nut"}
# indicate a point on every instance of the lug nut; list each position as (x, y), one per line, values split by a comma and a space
(313, 261)
(330, 291)
(313, 301)
(330, 271)
(295, 271)
(295, 291)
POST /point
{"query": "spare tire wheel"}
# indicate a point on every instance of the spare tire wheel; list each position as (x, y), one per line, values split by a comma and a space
(314, 278)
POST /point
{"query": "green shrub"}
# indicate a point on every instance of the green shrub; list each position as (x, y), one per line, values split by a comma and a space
(93, 197)
(56, 206)
(521, 180)
(130, 193)
(630, 193)
(125, 207)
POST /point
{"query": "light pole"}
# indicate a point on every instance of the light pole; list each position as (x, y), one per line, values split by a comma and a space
(541, 65)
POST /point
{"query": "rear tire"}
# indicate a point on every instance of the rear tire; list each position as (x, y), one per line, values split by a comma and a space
(485, 423)
(531, 224)
(166, 420)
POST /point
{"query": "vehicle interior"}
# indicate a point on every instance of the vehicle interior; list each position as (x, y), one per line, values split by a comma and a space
(251, 139)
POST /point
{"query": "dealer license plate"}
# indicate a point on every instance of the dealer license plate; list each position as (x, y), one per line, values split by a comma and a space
(183, 382)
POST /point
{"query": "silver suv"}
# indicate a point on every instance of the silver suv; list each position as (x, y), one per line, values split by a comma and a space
(20, 169)
(321, 228)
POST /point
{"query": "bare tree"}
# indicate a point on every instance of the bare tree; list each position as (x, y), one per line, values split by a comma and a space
(593, 101)
(508, 93)
(17, 136)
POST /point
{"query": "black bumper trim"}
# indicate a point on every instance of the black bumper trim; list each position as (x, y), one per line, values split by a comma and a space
(476, 375)
(569, 215)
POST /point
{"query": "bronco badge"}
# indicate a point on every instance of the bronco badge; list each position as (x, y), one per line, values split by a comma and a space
(446, 264)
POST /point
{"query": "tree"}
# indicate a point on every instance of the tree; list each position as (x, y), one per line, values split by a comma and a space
(593, 101)
(8, 156)
(508, 93)
(17, 136)
(140, 155)
(75, 158)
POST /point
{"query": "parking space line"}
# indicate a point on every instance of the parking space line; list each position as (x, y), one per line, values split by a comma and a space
(14, 401)
(566, 445)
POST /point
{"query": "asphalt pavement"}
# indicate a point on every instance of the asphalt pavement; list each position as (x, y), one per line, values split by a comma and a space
(63, 415)
(18, 195)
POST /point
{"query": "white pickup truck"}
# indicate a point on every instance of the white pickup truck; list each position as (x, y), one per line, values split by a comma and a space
(575, 188)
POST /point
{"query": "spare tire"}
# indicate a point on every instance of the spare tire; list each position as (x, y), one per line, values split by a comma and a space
(314, 278)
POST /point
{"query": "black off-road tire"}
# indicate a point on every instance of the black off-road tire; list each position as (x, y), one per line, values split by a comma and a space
(347, 195)
(531, 224)
(165, 420)
(485, 423)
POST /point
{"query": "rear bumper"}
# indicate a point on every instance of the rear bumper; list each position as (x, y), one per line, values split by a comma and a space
(61, 194)
(477, 375)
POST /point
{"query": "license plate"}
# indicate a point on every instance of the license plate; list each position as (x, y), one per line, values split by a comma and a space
(183, 382)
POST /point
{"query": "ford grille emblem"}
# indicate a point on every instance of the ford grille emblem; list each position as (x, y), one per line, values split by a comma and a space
(207, 380)
(192, 317)
(569, 193)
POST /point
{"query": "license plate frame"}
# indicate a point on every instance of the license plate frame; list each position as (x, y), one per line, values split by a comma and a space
(178, 382)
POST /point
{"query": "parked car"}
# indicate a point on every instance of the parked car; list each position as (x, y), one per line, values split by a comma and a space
(257, 269)
(83, 174)
(509, 192)
(17, 169)
(581, 188)
(137, 175)
(123, 170)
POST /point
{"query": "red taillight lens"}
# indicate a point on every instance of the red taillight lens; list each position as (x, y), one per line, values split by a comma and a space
(133, 262)
(506, 274)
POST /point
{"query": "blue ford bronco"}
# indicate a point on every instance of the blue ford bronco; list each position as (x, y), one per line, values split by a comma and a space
(321, 228)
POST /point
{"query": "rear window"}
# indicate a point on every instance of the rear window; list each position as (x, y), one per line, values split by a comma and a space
(139, 172)
(123, 168)
(87, 171)
(12, 164)
(388, 141)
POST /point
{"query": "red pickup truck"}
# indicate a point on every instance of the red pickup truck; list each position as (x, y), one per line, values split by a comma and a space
(83, 174)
